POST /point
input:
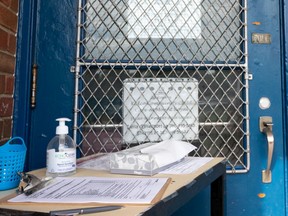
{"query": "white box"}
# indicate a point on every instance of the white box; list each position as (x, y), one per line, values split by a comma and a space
(149, 158)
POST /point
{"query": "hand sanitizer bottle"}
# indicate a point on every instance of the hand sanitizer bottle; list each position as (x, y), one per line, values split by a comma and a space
(61, 152)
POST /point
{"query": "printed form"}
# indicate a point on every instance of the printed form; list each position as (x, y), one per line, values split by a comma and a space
(97, 189)
(187, 165)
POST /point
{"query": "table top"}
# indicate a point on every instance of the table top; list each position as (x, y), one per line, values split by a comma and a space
(178, 182)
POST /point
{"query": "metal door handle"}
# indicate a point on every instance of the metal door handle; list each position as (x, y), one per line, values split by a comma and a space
(265, 124)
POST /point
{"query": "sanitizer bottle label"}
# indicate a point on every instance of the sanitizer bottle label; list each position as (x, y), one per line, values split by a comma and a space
(61, 162)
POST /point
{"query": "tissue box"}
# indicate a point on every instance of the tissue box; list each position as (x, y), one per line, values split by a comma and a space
(132, 161)
(149, 158)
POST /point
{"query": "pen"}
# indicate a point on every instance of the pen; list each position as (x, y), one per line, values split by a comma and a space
(84, 210)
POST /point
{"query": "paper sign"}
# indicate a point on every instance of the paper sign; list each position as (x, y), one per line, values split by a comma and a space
(160, 109)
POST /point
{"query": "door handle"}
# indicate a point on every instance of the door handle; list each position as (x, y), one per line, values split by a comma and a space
(265, 124)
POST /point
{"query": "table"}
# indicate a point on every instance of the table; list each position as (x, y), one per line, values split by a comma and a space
(180, 191)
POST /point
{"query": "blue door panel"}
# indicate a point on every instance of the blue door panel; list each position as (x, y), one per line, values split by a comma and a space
(53, 51)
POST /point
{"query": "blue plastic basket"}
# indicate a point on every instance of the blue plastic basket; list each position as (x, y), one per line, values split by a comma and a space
(12, 159)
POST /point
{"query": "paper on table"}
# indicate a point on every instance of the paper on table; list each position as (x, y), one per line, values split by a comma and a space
(98, 163)
(168, 151)
(188, 165)
(97, 189)
(185, 166)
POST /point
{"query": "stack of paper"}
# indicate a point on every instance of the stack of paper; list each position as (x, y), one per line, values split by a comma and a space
(99, 190)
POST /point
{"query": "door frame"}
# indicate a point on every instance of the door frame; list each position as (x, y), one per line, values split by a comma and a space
(30, 39)
(24, 59)
(284, 41)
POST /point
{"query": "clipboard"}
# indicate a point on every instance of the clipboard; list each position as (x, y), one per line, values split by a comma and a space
(12, 212)
(141, 182)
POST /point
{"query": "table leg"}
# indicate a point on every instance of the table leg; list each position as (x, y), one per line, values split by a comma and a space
(218, 196)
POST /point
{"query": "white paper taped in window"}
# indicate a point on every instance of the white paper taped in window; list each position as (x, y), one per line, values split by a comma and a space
(159, 109)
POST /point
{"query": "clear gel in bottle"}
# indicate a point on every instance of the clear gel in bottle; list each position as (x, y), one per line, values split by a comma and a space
(61, 152)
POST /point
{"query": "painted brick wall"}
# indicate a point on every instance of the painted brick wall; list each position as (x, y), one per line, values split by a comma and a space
(8, 30)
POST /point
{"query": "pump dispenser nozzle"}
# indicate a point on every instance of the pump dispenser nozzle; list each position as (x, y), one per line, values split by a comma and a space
(62, 128)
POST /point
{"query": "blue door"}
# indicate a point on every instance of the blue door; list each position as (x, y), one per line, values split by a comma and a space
(233, 48)
(251, 196)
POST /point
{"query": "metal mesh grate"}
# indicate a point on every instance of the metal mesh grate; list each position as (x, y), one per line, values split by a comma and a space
(166, 40)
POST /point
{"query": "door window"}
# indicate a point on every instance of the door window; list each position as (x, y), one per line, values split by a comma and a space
(172, 41)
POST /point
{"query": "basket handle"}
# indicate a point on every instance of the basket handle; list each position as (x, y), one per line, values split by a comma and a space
(15, 138)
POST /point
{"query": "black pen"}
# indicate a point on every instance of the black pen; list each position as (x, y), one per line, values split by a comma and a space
(85, 210)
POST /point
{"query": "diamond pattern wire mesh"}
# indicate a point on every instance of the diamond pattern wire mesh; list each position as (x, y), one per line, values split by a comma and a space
(122, 40)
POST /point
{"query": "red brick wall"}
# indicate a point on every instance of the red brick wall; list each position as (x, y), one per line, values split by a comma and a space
(8, 29)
